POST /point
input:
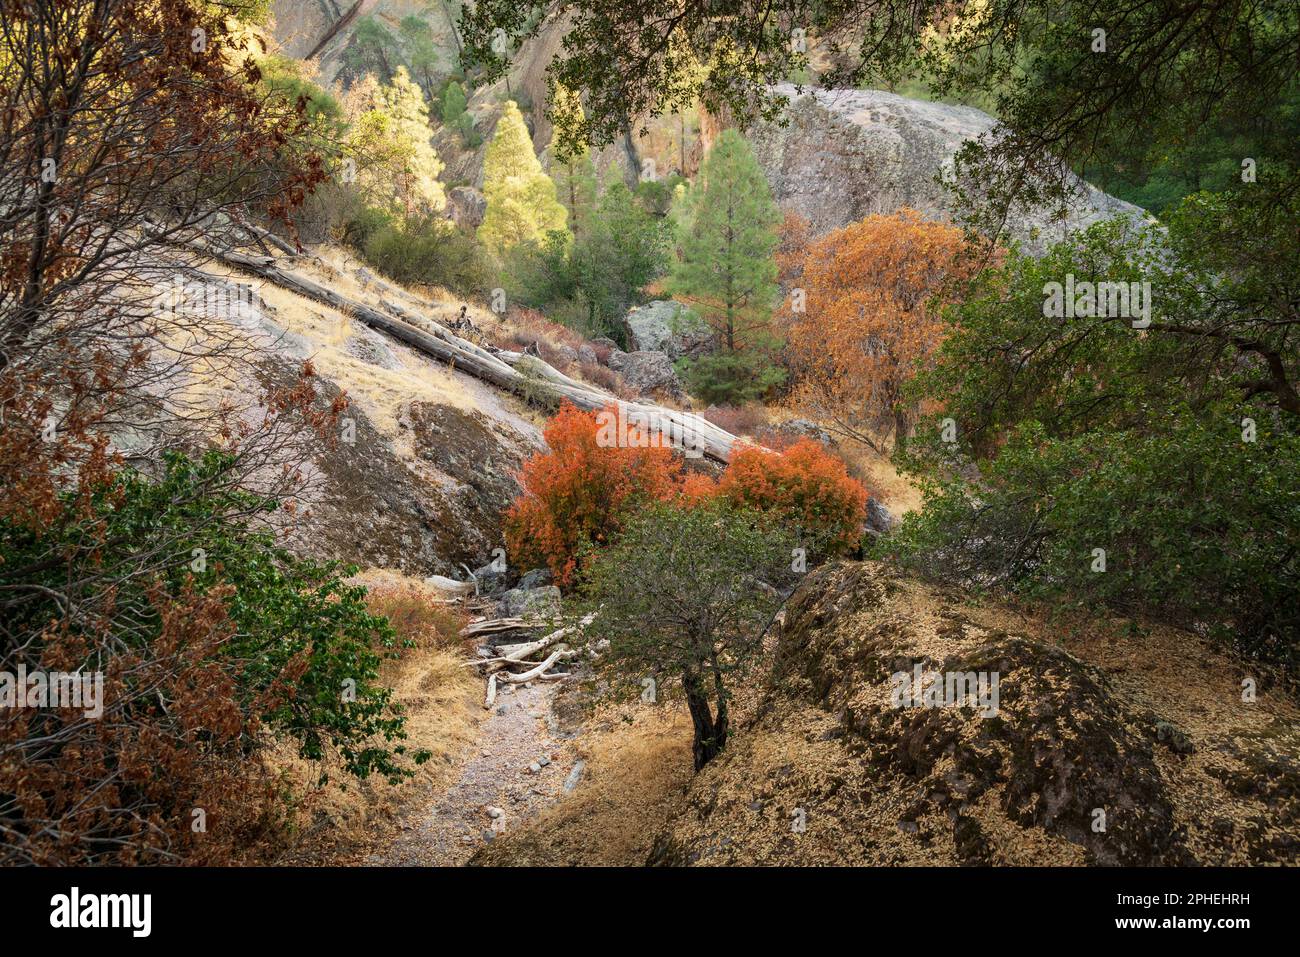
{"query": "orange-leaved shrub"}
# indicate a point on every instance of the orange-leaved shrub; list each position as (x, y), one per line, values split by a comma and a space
(805, 486)
(576, 494)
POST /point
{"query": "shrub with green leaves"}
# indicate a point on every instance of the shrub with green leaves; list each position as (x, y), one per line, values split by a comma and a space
(686, 594)
(305, 652)
(430, 251)
(1151, 469)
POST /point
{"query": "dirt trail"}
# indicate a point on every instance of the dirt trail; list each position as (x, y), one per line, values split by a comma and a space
(522, 732)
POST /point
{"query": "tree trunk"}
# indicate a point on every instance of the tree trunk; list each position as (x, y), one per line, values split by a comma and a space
(900, 427)
(708, 741)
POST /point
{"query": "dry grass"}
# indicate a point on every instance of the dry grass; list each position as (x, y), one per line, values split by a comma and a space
(340, 819)
(877, 473)
(634, 780)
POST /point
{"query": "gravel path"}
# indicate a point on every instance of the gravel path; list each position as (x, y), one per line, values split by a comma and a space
(521, 734)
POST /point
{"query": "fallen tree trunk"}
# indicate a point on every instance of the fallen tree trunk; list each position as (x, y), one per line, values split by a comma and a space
(532, 673)
(526, 376)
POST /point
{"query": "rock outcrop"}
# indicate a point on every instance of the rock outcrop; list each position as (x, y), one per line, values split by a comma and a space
(1067, 766)
(648, 374)
(667, 326)
(846, 154)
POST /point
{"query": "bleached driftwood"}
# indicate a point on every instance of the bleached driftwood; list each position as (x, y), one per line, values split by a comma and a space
(492, 626)
(450, 584)
(534, 672)
(497, 668)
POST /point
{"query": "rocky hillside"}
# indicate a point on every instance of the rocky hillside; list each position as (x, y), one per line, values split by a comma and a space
(433, 452)
(1105, 748)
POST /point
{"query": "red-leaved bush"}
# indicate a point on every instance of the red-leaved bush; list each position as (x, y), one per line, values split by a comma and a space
(805, 486)
(576, 493)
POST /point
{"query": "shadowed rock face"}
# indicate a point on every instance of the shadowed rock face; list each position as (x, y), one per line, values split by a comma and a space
(1066, 769)
(847, 154)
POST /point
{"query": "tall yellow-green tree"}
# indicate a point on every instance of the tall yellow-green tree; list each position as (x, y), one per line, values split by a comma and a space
(397, 167)
(521, 201)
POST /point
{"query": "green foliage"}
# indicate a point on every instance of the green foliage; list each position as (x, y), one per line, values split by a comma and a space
(727, 269)
(521, 203)
(397, 167)
(453, 104)
(284, 75)
(686, 594)
(1173, 448)
(429, 251)
(373, 49)
(297, 622)
(731, 378)
(421, 53)
(727, 238)
(593, 280)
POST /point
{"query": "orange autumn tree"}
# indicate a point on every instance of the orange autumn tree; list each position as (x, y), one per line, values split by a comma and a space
(874, 293)
(576, 494)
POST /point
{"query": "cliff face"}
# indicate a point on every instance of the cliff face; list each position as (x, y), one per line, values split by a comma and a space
(847, 154)
(1114, 752)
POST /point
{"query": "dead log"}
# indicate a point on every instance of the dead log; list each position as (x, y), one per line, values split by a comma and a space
(534, 379)
(492, 626)
(333, 31)
(450, 584)
(491, 692)
(532, 673)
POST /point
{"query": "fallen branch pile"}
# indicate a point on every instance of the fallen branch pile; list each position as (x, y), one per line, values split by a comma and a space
(497, 668)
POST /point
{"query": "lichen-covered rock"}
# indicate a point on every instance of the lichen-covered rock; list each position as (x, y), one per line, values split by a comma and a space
(668, 327)
(845, 154)
(466, 206)
(538, 602)
(797, 428)
(838, 768)
(648, 374)
(879, 519)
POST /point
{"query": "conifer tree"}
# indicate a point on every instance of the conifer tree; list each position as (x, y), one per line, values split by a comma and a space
(727, 272)
(521, 202)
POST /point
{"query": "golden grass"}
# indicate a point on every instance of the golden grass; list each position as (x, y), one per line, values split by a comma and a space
(341, 819)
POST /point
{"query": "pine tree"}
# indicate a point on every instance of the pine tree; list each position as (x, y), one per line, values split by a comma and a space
(727, 236)
(521, 202)
(453, 104)
(728, 267)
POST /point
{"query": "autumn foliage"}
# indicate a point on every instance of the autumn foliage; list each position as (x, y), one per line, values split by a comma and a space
(874, 293)
(579, 493)
(575, 494)
(805, 486)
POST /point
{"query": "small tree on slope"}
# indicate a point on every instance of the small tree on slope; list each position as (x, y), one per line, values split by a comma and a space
(688, 593)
